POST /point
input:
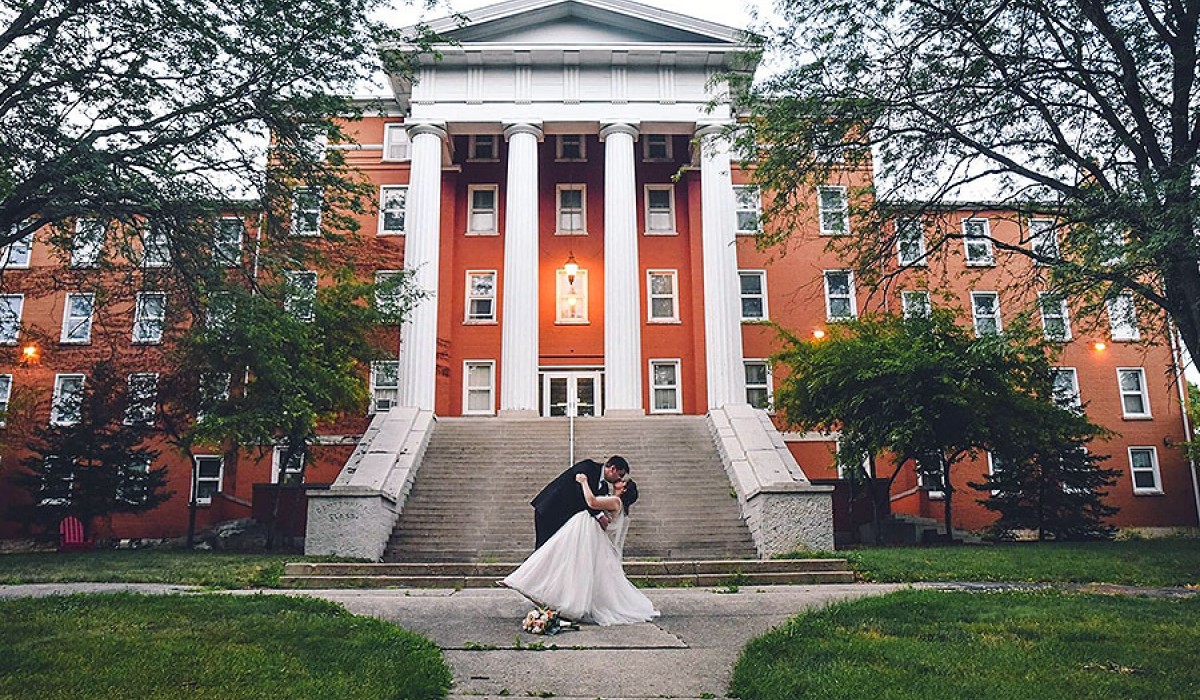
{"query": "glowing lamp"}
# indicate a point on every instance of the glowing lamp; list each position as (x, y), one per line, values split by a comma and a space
(30, 354)
(571, 267)
(818, 334)
(1099, 346)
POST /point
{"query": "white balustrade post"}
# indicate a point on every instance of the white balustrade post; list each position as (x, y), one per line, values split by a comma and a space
(519, 310)
(622, 280)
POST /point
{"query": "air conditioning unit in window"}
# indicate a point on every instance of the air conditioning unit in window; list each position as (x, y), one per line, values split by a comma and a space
(383, 404)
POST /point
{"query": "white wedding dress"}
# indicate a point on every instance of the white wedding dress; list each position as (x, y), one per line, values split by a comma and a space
(578, 573)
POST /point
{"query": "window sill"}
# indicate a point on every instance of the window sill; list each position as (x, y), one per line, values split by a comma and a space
(396, 160)
(392, 234)
(1127, 340)
(660, 233)
(1139, 416)
(474, 234)
(570, 233)
(835, 234)
(989, 263)
(483, 160)
(664, 322)
(1149, 492)
(480, 322)
(673, 412)
(572, 323)
(747, 234)
(756, 321)
(135, 341)
(919, 263)
(13, 267)
(75, 342)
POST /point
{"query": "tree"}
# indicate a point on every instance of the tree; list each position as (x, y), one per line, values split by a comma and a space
(1083, 114)
(92, 462)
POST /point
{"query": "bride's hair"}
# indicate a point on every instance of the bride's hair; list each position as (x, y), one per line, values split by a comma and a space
(630, 496)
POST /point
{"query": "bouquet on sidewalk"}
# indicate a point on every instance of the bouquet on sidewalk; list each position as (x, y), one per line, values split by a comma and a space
(546, 621)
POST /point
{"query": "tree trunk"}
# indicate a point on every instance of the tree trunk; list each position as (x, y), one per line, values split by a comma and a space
(192, 507)
(947, 499)
(876, 518)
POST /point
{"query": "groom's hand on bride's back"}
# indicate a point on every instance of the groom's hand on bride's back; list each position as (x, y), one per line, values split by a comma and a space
(603, 520)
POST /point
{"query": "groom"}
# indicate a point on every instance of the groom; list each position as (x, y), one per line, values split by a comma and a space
(563, 497)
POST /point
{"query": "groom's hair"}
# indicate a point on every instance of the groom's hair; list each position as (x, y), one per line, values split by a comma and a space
(619, 462)
(630, 496)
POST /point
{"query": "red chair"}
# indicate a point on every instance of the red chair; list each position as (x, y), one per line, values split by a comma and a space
(70, 535)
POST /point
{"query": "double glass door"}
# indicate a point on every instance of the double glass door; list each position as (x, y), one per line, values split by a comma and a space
(572, 393)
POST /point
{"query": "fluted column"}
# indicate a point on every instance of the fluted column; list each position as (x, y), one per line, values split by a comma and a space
(519, 317)
(418, 335)
(622, 281)
(722, 291)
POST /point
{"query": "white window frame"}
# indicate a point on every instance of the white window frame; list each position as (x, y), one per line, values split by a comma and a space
(468, 316)
(1075, 400)
(23, 248)
(677, 387)
(1046, 298)
(1043, 239)
(384, 395)
(747, 201)
(672, 296)
(976, 317)
(1122, 318)
(148, 330)
(984, 239)
(934, 494)
(228, 250)
(1157, 489)
(849, 296)
(85, 250)
(302, 306)
(387, 305)
(140, 409)
(558, 148)
(472, 212)
(383, 229)
(560, 210)
(58, 409)
(1143, 391)
(14, 303)
(824, 215)
(473, 142)
(906, 305)
(762, 295)
(904, 229)
(397, 147)
(672, 228)
(991, 461)
(219, 311)
(213, 386)
(195, 482)
(156, 248)
(489, 389)
(6, 382)
(562, 288)
(769, 387)
(656, 139)
(71, 323)
(302, 211)
(290, 470)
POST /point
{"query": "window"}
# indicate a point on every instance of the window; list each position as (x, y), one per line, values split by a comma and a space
(1122, 317)
(660, 209)
(1135, 401)
(930, 481)
(389, 295)
(478, 387)
(208, 478)
(57, 483)
(572, 297)
(747, 203)
(134, 477)
(214, 388)
(300, 294)
(833, 211)
(141, 399)
(1043, 239)
(77, 319)
(753, 287)
(148, 315)
(88, 243)
(656, 147)
(995, 466)
(839, 295)
(5, 395)
(220, 311)
(985, 310)
(156, 249)
(481, 296)
(11, 306)
(662, 298)
(664, 386)
(396, 145)
(915, 304)
(385, 385)
(571, 147)
(482, 218)
(16, 254)
(306, 211)
(1066, 388)
(1110, 244)
(1056, 323)
(572, 211)
(910, 242)
(482, 147)
(392, 204)
(227, 241)
(1143, 468)
(977, 242)
(293, 471)
(68, 399)
(758, 384)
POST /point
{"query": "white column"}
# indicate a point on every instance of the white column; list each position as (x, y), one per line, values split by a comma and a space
(722, 291)
(622, 281)
(418, 335)
(519, 317)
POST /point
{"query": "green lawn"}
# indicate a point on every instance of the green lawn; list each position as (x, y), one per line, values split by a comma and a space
(1162, 562)
(222, 647)
(1002, 646)
(197, 568)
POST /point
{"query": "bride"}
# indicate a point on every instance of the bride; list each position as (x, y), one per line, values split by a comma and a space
(578, 573)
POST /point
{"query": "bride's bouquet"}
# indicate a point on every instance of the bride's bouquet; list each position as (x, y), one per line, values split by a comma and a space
(543, 621)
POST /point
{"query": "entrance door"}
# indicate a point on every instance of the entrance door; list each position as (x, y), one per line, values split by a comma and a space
(571, 393)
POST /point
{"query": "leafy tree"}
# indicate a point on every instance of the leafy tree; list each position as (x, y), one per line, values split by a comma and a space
(1085, 114)
(94, 465)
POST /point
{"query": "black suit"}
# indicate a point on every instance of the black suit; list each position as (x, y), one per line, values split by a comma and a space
(563, 498)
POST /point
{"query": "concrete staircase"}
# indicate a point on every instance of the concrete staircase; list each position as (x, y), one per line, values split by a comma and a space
(470, 499)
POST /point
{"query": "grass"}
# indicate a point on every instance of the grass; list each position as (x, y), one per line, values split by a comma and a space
(196, 568)
(209, 646)
(1160, 562)
(1003, 646)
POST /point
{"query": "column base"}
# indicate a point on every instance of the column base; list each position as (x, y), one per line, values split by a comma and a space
(624, 413)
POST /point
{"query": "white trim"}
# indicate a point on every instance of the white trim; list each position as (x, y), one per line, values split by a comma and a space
(1041, 232)
(472, 146)
(6, 384)
(558, 149)
(1064, 314)
(218, 254)
(380, 228)
(25, 245)
(276, 458)
(670, 148)
(195, 482)
(991, 461)
(850, 295)
(1142, 391)
(471, 211)
(558, 209)
(1076, 400)
(975, 317)
(921, 259)
(145, 321)
(298, 300)
(762, 295)
(672, 214)
(906, 308)
(387, 305)
(384, 396)
(470, 296)
(86, 253)
(755, 209)
(490, 388)
(562, 289)
(151, 399)
(155, 240)
(770, 378)
(1122, 318)
(297, 211)
(67, 317)
(18, 310)
(1157, 489)
(56, 405)
(677, 387)
(673, 275)
(989, 258)
(395, 138)
(845, 210)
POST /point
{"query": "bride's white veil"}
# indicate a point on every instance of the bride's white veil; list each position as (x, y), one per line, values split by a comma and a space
(617, 529)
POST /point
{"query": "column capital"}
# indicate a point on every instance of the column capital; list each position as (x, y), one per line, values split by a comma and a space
(717, 128)
(619, 128)
(523, 128)
(436, 128)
